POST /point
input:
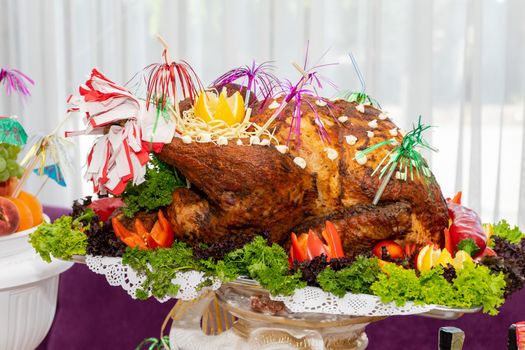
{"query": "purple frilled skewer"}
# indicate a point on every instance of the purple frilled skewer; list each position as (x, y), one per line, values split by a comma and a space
(15, 81)
(257, 79)
(307, 85)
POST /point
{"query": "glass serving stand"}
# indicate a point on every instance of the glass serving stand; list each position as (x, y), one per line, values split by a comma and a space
(264, 331)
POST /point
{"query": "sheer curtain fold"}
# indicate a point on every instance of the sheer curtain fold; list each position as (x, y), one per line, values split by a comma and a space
(458, 63)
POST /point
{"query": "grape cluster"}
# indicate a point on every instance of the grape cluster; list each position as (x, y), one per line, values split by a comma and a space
(8, 165)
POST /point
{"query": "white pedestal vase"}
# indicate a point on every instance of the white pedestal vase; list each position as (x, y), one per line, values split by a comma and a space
(28, 293)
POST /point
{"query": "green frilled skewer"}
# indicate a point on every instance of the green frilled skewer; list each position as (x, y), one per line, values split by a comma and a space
(405, 157)
(154, 343)
(358, 97)
(354, 96)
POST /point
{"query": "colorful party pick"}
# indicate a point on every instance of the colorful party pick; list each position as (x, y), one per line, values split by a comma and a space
(53, 172)
(12, 132)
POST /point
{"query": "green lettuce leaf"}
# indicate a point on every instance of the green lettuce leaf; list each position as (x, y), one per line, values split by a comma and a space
(63, 238)
(503, 230)
(474, 286)
(357, 278)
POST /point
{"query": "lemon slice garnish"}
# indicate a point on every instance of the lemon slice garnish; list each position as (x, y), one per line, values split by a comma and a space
(445, 258)
(210, 107)
(425, 258)
(460, 258)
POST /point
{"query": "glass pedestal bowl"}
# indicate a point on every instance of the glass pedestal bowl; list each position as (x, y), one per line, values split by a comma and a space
(243, 328)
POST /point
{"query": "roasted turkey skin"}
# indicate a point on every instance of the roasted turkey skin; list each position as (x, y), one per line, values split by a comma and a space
(249, 189)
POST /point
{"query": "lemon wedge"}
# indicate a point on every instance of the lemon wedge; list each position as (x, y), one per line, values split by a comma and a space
(460, 258)
(425, 258)
(210, 106)
(205, 105)
(445, 258)
(489, 230)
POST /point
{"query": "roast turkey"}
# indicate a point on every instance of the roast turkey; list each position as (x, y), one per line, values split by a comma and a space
(249, 189)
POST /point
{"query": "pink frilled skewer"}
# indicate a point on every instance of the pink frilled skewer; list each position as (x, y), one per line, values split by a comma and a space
(166, 78)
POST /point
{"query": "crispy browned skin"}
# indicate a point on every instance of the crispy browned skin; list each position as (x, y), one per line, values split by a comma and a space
(243, 189)
(251, 189)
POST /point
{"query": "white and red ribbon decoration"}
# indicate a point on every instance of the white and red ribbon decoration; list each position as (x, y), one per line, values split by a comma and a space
(128, 132)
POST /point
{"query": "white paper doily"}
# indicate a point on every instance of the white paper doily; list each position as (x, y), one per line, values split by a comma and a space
(313, 299)
(118, 274)
(306, 300)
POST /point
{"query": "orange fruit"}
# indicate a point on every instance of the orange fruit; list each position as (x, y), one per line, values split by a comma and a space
(26, 217)
(34, 205)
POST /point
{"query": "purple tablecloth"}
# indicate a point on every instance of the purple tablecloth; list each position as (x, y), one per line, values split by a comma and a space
(93, 315)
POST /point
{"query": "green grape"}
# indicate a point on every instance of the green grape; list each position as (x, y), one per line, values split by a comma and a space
(13, 151)
(4, 175)
(12, 166)
(4, 153)
(3, 164)
(19, 172)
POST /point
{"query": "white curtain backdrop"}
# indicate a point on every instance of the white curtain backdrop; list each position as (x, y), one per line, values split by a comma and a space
(458, 63)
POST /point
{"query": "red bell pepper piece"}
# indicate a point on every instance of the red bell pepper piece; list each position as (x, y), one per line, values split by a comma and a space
(105, 207)
(298, 248)
(308, 246)
(448, 242)
(333, 239)
(297, 252)
(457, 198)
(466, 225)
(303, 241)
(315, 246)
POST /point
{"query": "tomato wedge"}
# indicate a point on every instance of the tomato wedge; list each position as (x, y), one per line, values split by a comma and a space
(331, 236)
(140, 229)
(130, 238)
(135, 242)
(162, 234)
(120, 230)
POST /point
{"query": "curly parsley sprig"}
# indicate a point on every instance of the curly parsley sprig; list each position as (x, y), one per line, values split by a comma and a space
(267, 264)
(155, 192)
